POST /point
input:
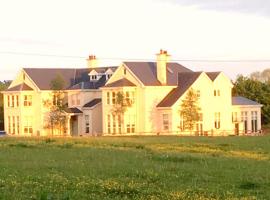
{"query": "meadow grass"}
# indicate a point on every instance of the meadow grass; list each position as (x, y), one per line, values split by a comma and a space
(135, 168)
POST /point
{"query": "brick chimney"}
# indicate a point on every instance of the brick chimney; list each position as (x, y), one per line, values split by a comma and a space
(92, 62)
(162, 59)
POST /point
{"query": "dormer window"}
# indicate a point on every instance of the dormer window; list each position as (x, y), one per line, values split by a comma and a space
(108, 76)
(93, 77)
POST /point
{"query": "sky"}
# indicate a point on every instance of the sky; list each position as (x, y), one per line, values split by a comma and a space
(196, 33)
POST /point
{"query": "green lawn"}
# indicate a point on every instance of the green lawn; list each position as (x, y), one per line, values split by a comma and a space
(135, 168)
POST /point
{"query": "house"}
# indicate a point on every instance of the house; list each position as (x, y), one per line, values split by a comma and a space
(152, 94)
(156, 90)
(24, 101)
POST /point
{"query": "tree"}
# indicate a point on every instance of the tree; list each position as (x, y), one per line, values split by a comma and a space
(189, 110)
(3, 86)
(56, 118)
(120, 106)
(255, 90)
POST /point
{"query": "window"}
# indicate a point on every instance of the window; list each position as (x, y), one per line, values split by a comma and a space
(108, 76)
(109, 123)
(216, 93)
(73, 99)
(87, 124)
(113, 97)
(8, 97)
(130, 124)
(254, 120)
(28, 129)
(27, 100)
(217, 120)
(18, 125)
(200, 117)
(108, 98)
(125, 71)
(114, 124)
(119, 124)
(165, 119)
(93, 77)
(9, 125)
(17, 100)
(132, 97)
(234, 117)
(78, 101)
(24, 77)
(12, 101)
(13, 125)
(198, 93)
(127, 97)
(244, 119)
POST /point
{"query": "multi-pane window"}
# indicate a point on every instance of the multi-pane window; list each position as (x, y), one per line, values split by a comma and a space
(108, 98)
(13, 125)
(9, 124)
(198, 93)
(18, 125)
(28, 125)
(27, 100)
(130, 124)
(114, 123)
(216, 93)
(217, 120)
(8, 100)
(93, 77)
(12, 101)
(113, 97)
(244, 119)
(165, 122)
(73, 99)
(78, 101)
(17, 100)
(132, 97)
(87, 124)
(127, 97)
(234, 117)
(109, 123)
(119, 124)
(254, 120)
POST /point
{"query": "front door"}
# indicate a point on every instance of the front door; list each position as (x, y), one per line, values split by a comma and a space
(74, 125)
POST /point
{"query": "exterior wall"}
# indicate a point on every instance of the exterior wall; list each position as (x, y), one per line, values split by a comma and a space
(209, 105)
(78, 98)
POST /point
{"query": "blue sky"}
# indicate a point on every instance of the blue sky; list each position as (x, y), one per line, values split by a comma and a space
(126, 29)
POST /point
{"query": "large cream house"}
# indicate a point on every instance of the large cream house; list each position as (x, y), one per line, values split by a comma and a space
(155, 90)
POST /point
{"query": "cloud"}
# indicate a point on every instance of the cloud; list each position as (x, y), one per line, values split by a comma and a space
(259, 7)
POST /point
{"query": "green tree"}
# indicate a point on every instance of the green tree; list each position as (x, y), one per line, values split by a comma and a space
(120, 107)
(56, 118)
(190, 110)
(3, 86)
(255, 90)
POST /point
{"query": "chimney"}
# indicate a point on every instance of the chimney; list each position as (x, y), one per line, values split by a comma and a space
(162, 59)
(92, 61)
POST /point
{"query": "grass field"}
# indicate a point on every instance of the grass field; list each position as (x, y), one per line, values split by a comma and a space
(135, 168)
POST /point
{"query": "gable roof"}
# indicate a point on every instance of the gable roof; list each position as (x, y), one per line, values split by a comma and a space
(42, 76)
(20, 87)
(146, 72)
(213, 75)
(73, 110)
(92, 103)
(121, 83)
(243, 101)
(185, 80)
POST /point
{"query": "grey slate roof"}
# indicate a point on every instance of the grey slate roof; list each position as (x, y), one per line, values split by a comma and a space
(243, 101)
(43, 76)
(213, 75)
(21, 87)
(89, 85)
(185, 80)
(92, 103)
(147, 72)
(121, 83)
(73, 110)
